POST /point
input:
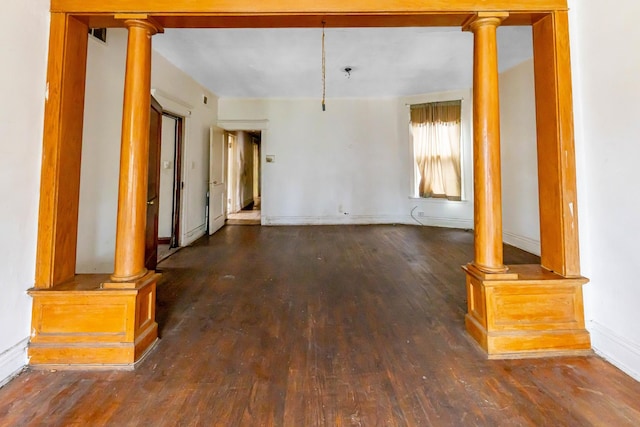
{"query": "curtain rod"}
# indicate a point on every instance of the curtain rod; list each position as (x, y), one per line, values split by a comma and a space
(433, 102)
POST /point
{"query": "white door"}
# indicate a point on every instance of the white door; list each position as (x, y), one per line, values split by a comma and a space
(217, 183)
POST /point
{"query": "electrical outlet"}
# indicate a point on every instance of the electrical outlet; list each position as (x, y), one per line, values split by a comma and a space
(420, 213)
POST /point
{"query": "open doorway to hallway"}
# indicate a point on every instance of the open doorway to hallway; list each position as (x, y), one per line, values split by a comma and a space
(244, 178)
(170, 184)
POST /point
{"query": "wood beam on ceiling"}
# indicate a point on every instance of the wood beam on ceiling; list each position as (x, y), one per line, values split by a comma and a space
(299, 7)
(304, 14)
(307, 21)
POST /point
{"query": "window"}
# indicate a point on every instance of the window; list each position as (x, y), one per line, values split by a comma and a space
(435, 130)
(99, 33)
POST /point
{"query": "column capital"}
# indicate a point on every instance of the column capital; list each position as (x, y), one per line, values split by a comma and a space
(141, 21)
(481, 19)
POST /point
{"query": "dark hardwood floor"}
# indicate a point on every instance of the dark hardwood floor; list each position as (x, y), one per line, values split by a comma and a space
(324, 326)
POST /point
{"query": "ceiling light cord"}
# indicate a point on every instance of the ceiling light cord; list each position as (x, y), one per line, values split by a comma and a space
(324, 71)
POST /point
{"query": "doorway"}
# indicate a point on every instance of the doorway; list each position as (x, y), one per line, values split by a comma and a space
(170, 184)
(244, 200)
(63, 116)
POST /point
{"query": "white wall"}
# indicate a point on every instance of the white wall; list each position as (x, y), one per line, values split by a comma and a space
(24, 33)
(177, 93)
(606, 66)
(101, 153)
(180, 94)
(349, 164)
(520, 212)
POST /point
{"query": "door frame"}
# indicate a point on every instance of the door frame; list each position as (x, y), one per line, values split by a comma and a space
(257, 167)
(217, 190)
(176, 207)
(66, 77)
(263, 127)
(181, 108)
(231, 141)
(549, 19)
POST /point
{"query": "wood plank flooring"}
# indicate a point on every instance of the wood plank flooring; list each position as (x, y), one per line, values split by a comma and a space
(324, 326)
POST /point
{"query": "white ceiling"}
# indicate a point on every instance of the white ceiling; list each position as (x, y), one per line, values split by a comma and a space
(286, 63)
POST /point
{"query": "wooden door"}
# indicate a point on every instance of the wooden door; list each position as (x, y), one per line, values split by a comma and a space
(170, 180)
(217, 181)
(177, 186)
(153, 186)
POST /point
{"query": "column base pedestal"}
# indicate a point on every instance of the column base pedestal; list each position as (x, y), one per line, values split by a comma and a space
(80, 323)
(531, 312)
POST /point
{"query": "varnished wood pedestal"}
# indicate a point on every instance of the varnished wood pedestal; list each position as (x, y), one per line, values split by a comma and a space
(82, 323)
(526, 313)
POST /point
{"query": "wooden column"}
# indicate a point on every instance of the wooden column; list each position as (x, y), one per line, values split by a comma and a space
(528, 310)
(556, 165)
(134, 156)
(61, 152)
(486, 144)
(85, 319)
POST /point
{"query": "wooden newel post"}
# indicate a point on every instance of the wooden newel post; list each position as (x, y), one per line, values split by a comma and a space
(134, 156)
(486, 144)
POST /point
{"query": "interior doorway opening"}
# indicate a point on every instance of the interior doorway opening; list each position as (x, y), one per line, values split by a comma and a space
(63, 130)
(170, 184)
(244, 177)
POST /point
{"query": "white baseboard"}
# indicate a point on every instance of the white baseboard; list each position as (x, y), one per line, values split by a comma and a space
(524, 243)
(12, 361)
(434, 221)
(191, 236)
(367, 219)
(618, 350)
(334, 220)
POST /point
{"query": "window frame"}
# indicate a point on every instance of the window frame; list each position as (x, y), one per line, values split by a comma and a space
(466, 139)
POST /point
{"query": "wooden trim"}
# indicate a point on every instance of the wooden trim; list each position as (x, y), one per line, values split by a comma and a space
(304, 14)
(82, 323)
(486, 144)
(253, 7)
(177, 183)
(134, 155)
(556, 167)
(556, 158)
(332, 20)
(538, 313)
(61, 154)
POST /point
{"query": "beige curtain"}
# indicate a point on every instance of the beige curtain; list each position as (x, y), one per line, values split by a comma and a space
(435, 128)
